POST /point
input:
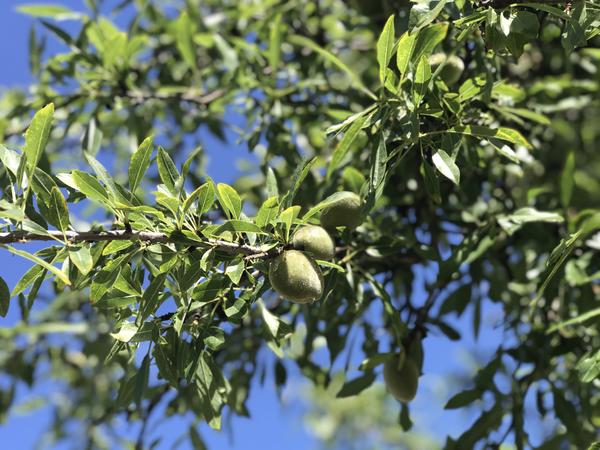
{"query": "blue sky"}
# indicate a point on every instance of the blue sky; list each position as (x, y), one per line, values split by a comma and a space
(272, 423)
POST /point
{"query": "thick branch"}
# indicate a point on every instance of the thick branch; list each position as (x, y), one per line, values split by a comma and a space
(15, 237)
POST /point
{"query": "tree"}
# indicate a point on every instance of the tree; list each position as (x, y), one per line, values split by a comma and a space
(477, 173)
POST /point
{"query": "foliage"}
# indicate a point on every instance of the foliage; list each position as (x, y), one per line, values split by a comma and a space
(488, 186)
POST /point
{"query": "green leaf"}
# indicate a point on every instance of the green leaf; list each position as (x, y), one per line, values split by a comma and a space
(483, 426)
(151, 296)
(376, 360)
(27, 279)
(114, 191)
(422, 77)
(567, 179)
(304, 41)
(557, 258)
(141, 380)
(404, 52)
(4, 298)
(385, 47)
(211, 289)
(446, 166)
(184, 32)
(356, 386)
(167, 170)
(56, 12)
(377, 172)
(58, 213)
(429, 16)
(115, 247)
(82, 258)
(196, 439)
(428, 39)
(271, 182)
(214, 338)
(274, 324)
(344, 145)
(36, 136)
(463, 398)
(575, 320)
(299, 175)
(399, 327)
(589, 367)
(140, 161)
(59, 273)
(235, 270)
(42, 185)
(404, 418)
(92, 139)
(238, 226)
(287, 217)
(206, 197)
(274, 53)
(230, 200)
(506, 151)
(90, 187)
(514, 221)
(502, 133)
(126, 332)
(267, 212)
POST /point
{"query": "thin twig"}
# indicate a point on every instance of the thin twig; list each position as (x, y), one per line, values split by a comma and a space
(188, 96)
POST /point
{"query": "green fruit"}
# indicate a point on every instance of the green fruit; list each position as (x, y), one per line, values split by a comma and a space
(296, 277)
(315, 241)
(344, 210)
(453, 67)
(403, 382)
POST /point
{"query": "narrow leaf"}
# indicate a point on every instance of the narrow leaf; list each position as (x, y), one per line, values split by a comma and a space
(4, 298)
(230, 200)
(344, 146)
(140, 161)
(36, 136)
(167, 170)
(58, 211)
(385, 47)
(59, 274)
(445, 164)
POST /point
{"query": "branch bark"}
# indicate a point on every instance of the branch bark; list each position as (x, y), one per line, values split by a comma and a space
(500, 4)
(251, 252)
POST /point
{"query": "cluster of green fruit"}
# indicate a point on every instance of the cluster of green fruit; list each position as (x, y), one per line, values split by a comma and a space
(294, 274)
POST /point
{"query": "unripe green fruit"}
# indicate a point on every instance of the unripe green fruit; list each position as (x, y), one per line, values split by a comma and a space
(345, 210)
(403, 382)
(315, 241)
(296, 277)
(453, 67)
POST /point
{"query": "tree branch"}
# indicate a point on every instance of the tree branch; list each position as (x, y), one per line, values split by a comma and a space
(252, 252)
(189, 96)
(500, 4)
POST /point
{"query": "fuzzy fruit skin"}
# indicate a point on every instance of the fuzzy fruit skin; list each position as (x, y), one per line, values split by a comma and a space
(296, 277)
(345, 211)
(315, 241)
(452, 70)
(403, 382)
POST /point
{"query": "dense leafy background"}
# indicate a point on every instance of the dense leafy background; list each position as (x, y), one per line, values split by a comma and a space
(484, 190)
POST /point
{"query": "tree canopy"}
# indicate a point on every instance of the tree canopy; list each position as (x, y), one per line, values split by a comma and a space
(467, 131)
